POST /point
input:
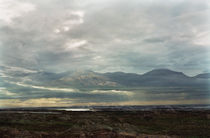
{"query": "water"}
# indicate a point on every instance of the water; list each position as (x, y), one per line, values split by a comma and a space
(137, 108)
(106, 108)
(75, 109)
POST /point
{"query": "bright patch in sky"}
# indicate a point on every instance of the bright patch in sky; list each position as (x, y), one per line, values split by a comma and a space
(73, 44)
(10, 9)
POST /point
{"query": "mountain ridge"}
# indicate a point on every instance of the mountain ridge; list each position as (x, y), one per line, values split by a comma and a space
(87, 78)
(203, 75)
(155, 77)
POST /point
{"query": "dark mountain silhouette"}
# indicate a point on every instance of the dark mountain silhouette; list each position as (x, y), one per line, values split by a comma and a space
(157, 77)
(126, 79)
(87, 78)
(203, 76)
(154, 78)
(165, 77)
(164, 72)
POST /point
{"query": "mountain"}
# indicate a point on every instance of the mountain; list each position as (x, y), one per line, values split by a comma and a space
(90, 79)
(203, 76)
(165, 77)
(164, 72)
(87, 79)
(157, 77)
(125, 79)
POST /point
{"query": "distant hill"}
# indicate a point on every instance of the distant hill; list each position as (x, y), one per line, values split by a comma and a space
(89, 79)
(165, 77)
(125, 79)
(164, 72)
(203, 76)
(154, 78)
(157, 77)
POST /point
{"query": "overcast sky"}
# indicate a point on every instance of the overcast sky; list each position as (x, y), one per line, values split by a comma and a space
(103, 36)
(106, 35)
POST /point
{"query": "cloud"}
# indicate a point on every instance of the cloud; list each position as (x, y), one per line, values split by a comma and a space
(128, 36)
(73, 44)
(45, 88)
(12, 69)
(5, 92)
(42, 102)
(127, 93)
(71, 19)
(10, 9)
(59, 102)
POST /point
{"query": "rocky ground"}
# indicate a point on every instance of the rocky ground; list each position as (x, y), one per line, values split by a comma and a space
(150, 124)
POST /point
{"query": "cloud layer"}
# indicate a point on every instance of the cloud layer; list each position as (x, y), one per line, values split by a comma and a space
(130, 36)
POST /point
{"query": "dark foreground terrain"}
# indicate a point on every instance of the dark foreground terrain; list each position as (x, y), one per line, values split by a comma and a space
(104, 124)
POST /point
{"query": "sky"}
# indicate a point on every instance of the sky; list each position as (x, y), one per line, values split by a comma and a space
(106, 35)
(103, 36)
